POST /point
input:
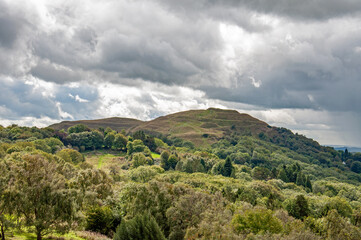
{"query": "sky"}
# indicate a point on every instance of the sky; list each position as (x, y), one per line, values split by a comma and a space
(291, 63)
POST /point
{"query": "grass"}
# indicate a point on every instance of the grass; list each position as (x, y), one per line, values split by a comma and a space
(155, 155)
(23, 235)
(104, 158)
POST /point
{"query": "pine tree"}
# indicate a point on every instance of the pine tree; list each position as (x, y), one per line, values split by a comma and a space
(227, 167)
(308, 183)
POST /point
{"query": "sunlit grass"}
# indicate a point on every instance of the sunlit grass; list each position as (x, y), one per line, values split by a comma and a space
(23, 235)
(155, 155)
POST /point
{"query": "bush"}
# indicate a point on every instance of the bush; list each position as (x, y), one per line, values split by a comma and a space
(140, 227)
(70, 155)
(101, 220)
(257, 220)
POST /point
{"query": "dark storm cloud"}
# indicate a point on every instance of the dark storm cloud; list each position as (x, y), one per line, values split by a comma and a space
(294, 9)
(11, 24)
(52, 73)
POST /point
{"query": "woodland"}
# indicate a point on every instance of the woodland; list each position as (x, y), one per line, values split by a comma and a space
(102, 183)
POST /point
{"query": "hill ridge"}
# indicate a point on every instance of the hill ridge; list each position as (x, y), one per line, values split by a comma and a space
(200, 126)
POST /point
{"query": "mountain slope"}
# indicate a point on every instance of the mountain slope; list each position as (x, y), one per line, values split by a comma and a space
(204, 127)
(115, 123)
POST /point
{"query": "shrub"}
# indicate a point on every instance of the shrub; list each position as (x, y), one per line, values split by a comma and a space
(257, 220)
(140, 227)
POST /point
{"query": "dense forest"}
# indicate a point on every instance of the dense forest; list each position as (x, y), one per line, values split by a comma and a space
(83, 183)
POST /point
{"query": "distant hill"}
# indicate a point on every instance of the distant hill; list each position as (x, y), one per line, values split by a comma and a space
(350, 149)
(205, 127)
(115, 123)
(202, 127)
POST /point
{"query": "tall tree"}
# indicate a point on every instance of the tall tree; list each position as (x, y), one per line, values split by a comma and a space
(227, 168)
(42, 197)
(6, 200)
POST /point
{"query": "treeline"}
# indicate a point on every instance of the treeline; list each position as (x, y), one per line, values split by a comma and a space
(241, 188)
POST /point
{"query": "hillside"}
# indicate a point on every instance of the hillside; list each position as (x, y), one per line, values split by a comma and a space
(115, 123)
(202, 127)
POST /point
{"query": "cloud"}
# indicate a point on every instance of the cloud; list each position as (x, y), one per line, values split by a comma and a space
(293, 9)
(35, 98)
(142, 59)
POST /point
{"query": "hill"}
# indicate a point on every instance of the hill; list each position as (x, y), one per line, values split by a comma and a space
(115, 123)
(204, 127)
(201, 127)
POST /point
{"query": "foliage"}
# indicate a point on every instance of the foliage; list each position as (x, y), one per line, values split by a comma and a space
(78, 129)
(41, 195)
(298, 207)
(70, 155)
(140, 227)
(101, 220)
(257, 221)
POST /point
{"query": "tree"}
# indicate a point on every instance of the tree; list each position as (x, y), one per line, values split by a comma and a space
(282, 175)
(140, 227)
(139, 135)
(257, 221)
(150, 143)
(308, 183)
(228, 168)
(101, 220)
(164, 156)
(139, 160)
(120, 142)
(43, 199)
(109, 139)
(298, 207)
(6, 200)
(260, 173)
(97, 139)
(356, 167)
(300, 180)
(78, 128)
(71, 155)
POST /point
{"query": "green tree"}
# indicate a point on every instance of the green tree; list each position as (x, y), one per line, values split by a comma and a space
(43, 199)
(298, 207)
(139, 160)
(257, 221)
(97, 139)
(164, 156)
(308, 183)
(140, 227)
(300, 180)
(356, 167)
(260, 173)
(228, 168)
(120, 142)
(71, 155)
(139, 135)
(109, 140)
(6, 199)
(78, 128)
(282, 175)
(101, 220)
